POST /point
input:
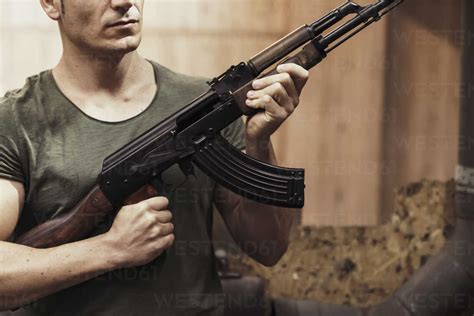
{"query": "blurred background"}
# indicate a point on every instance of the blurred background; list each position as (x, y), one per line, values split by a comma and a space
(376, 130)
(379, 112)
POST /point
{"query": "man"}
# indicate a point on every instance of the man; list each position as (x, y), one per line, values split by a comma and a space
(55, 133)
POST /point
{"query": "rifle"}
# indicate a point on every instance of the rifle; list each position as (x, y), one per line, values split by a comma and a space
(191, 136)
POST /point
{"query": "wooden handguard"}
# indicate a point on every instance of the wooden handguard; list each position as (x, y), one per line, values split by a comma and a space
(308, 57)
(78, 223)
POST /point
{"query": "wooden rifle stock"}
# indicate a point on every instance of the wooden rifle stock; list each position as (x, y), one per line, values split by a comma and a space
(78, 223)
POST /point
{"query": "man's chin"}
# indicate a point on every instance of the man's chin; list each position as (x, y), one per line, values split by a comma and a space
(121, 46)
(116, 51)
(123, 51)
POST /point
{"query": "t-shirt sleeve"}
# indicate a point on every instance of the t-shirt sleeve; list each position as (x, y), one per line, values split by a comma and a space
(10, 162)
(234, 133)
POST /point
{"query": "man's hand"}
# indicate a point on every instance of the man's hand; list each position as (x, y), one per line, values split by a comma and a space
(141, 232)
(278, 96)
(249, 221)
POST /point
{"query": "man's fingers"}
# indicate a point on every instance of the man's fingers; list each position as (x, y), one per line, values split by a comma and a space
(299, 74)
(163, 243)
(278, 93)
(156, 203)
(284, 79)
(273, 111)
(163, 216)
(161, 230)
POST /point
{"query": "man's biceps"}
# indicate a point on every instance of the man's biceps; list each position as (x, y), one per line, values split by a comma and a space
(224, 199)
(12, 198)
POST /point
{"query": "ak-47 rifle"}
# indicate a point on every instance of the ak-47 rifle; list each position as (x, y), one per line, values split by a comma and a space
(192, 136)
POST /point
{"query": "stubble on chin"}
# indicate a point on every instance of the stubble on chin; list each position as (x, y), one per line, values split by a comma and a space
(113, 51)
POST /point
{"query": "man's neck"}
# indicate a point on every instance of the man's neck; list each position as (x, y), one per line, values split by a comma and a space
(92, 73)
(107, 89)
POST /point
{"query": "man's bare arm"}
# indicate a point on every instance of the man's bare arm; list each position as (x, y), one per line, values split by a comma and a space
(262, 231)
(139, 234)
(276, 97)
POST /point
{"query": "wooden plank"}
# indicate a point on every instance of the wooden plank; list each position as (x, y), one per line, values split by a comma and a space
(26, 52)
(335, 134)
(225, 16)
(202, 54)
(422, 93)
(25, 27)
(205, 37)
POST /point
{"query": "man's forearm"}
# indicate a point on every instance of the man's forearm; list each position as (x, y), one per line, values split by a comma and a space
(27, 274)
(261, 230)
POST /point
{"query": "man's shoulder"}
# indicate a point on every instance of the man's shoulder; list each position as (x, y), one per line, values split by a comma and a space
(178, 81)
(25, 96)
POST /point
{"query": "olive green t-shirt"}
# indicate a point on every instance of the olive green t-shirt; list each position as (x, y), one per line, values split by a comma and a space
(57, 151)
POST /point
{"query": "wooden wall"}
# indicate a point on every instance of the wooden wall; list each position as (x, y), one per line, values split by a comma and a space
(422, 93)
(363, 114)
(336, 132)
(383, 110)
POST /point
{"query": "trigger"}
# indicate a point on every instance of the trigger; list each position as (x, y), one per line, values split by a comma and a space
(186, 167)
(158, 184)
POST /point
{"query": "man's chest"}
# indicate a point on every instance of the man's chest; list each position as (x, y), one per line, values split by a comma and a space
(110, 108)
